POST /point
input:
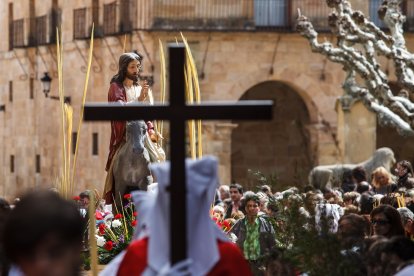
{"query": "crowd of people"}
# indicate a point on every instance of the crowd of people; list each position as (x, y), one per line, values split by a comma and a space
(370, 220)
(367, 225)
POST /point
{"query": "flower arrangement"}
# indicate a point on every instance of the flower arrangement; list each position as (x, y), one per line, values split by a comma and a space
(114, 233)
(224, 225)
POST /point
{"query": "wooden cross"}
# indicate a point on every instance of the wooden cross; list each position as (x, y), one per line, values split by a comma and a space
(178, 112)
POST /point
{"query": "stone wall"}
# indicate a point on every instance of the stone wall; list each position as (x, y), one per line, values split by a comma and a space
(234, 63)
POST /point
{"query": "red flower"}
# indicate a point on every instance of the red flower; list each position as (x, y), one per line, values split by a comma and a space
(109, 245)
(226, 224)
(77, 198)
(127, 196)
(98, 215)
(101, 228)
(118, 216)
(135, 214)
(134, 222)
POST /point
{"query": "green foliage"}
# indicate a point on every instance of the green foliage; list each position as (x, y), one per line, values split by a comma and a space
(301, 244)
(86, 260)
(271, 180)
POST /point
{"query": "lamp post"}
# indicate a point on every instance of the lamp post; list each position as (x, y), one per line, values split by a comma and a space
(46, 81)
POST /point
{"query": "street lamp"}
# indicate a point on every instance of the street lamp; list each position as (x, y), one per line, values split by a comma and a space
(46, 81)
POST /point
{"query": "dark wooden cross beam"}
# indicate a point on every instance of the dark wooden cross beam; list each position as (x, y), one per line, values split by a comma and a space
(178, 112)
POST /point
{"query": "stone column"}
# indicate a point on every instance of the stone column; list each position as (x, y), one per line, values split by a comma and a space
(356, 130)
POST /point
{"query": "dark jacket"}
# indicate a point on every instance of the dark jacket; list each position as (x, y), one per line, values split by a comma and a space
(228, 211)
(385, 190)
(267, 239)
(405, 181)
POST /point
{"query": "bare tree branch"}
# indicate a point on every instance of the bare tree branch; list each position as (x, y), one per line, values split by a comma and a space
(359, 43)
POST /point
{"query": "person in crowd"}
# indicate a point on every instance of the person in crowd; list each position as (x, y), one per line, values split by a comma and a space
(226, 203)
(397, 251)
(350, 202)
(255, 236)
(359, 177)
(242, 207)
(386, 221)
(238, 215)
(267, 190)
(311, 199)
(236, 193)
(224, 191)
(348, 185)
(332, 196)
(327, 216)
(308, 188)
(263, 203)
(407, 218)
(217, 199)
(409, 199)
(382, 181)
(351, 198)
(84, 199)
(43, 235)
(218, 213)
(404, 172)
(373, 253)
(352, 230)
(351, 209)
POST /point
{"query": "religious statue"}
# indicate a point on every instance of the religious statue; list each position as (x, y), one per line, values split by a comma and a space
(124, 89)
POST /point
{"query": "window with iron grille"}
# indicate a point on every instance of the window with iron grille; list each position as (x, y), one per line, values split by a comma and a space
(41, 30)
(109, 26)
(38, 163)
(10, 91)
(32, 24)
(74, 140)
(55, 21)
(125, 19)
(31, 88)
(18, 33)
(10, 26)
(79, 23)
(12, 163)
(95, 12)
(95, 143)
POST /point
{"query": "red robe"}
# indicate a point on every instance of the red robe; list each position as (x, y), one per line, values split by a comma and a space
(116, 93)
(231, 260)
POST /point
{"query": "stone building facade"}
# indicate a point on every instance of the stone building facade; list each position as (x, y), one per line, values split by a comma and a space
(241, 51)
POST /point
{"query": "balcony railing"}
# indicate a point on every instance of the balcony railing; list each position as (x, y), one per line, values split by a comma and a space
(117, 18)
(19, 36)
(31, 32)
(230, 15)
(81, 23)
(244, 15)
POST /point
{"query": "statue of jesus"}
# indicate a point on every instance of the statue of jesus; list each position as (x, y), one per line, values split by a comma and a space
(124, 88)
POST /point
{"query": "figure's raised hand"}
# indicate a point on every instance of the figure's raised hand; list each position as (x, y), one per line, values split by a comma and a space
(144, 91)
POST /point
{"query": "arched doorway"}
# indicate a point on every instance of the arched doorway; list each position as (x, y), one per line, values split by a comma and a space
(280, 147)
